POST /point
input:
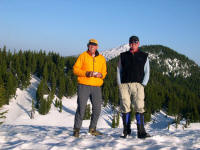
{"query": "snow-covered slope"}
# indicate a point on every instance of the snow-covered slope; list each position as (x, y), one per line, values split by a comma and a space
(54, 130)
(114, 52)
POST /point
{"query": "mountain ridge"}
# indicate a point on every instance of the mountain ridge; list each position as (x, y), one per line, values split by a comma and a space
(172, 65)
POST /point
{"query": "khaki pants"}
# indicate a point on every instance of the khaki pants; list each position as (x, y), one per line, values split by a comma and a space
(132, 93)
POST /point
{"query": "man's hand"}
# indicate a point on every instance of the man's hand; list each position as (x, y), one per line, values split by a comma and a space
(89, 74)
(98, 75)
(93, 74)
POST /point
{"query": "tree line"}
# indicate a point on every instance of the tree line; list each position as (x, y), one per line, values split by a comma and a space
(54, 71)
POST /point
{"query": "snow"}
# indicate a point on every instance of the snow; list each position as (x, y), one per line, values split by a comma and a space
(54, 130)
(114, 52)
(175, 66)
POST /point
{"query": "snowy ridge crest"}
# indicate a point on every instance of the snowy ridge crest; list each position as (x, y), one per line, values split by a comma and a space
(114, 52)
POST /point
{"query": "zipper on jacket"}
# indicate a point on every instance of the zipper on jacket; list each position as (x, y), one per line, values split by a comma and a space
(93, 63)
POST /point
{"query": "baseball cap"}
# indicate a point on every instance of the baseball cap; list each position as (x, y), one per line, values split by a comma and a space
(133, 39)
(93, 42)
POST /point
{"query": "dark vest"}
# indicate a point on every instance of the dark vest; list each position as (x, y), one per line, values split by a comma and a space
(133, 66)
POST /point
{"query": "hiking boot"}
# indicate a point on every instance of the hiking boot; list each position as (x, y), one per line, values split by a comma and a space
(126, 125)
(76, 133)
(126, 133)
(124, 136)
(143, 135)
(94, 132)
(140, 126)
(129, 128)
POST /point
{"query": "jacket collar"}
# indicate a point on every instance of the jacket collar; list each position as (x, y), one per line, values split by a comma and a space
(131, 51)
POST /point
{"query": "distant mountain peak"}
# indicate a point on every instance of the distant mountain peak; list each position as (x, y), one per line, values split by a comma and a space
(114, 52)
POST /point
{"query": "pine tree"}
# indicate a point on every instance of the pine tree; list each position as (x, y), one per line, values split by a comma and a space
(70, 84)
(114, 122)
(51, 95)
(87, 114)
(118, 119)
(56, 103)
(33, 64)
(22, 61)
(42, 107)
(60, 106)
(32, 110)
(3, 66)
(3, 98)
(105, 95)
(53, 84)
(132, 114)
(61, 87)
(49, 102)
(39, 94)
(10, 85)
(45, 105)
(33, 106)
(45, 72)
(18, 71)
(28, 76)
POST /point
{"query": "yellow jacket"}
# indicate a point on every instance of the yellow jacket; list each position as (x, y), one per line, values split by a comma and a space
(86, 62)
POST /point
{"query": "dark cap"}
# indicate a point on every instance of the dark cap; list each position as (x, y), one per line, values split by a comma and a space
(133, 39)
(93, 42)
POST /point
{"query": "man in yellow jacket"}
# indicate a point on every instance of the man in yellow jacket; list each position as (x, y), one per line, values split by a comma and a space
(90, 68)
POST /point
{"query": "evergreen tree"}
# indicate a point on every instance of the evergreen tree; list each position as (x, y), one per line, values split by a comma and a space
(3, 66)
(132, 114)
(53, 84)
(39, 94)
(33, 64)
(3, 98)
(118, 119)
(18, 71)
(60, 106)
(28, 75)
(33, 105)
(45, 72)
(70, 84)
(41, 91)
(45, 105)
(10, 86)
(32, 110)
(42, 107)
(56, 103)
(87, 114)
(105, 95)
(61, 86)
(114, 121)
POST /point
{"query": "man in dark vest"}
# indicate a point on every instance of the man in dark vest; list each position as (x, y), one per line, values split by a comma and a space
(132, 76)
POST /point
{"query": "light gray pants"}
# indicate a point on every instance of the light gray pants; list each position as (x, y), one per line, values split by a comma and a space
(84, 92)
(134, 91)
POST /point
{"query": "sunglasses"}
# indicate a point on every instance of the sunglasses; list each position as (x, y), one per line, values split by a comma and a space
(134, 42)
(92, 44)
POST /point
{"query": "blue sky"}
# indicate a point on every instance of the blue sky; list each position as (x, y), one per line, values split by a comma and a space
(65, 26)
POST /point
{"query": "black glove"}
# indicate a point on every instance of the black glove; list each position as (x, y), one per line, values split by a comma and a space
(89, 74)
